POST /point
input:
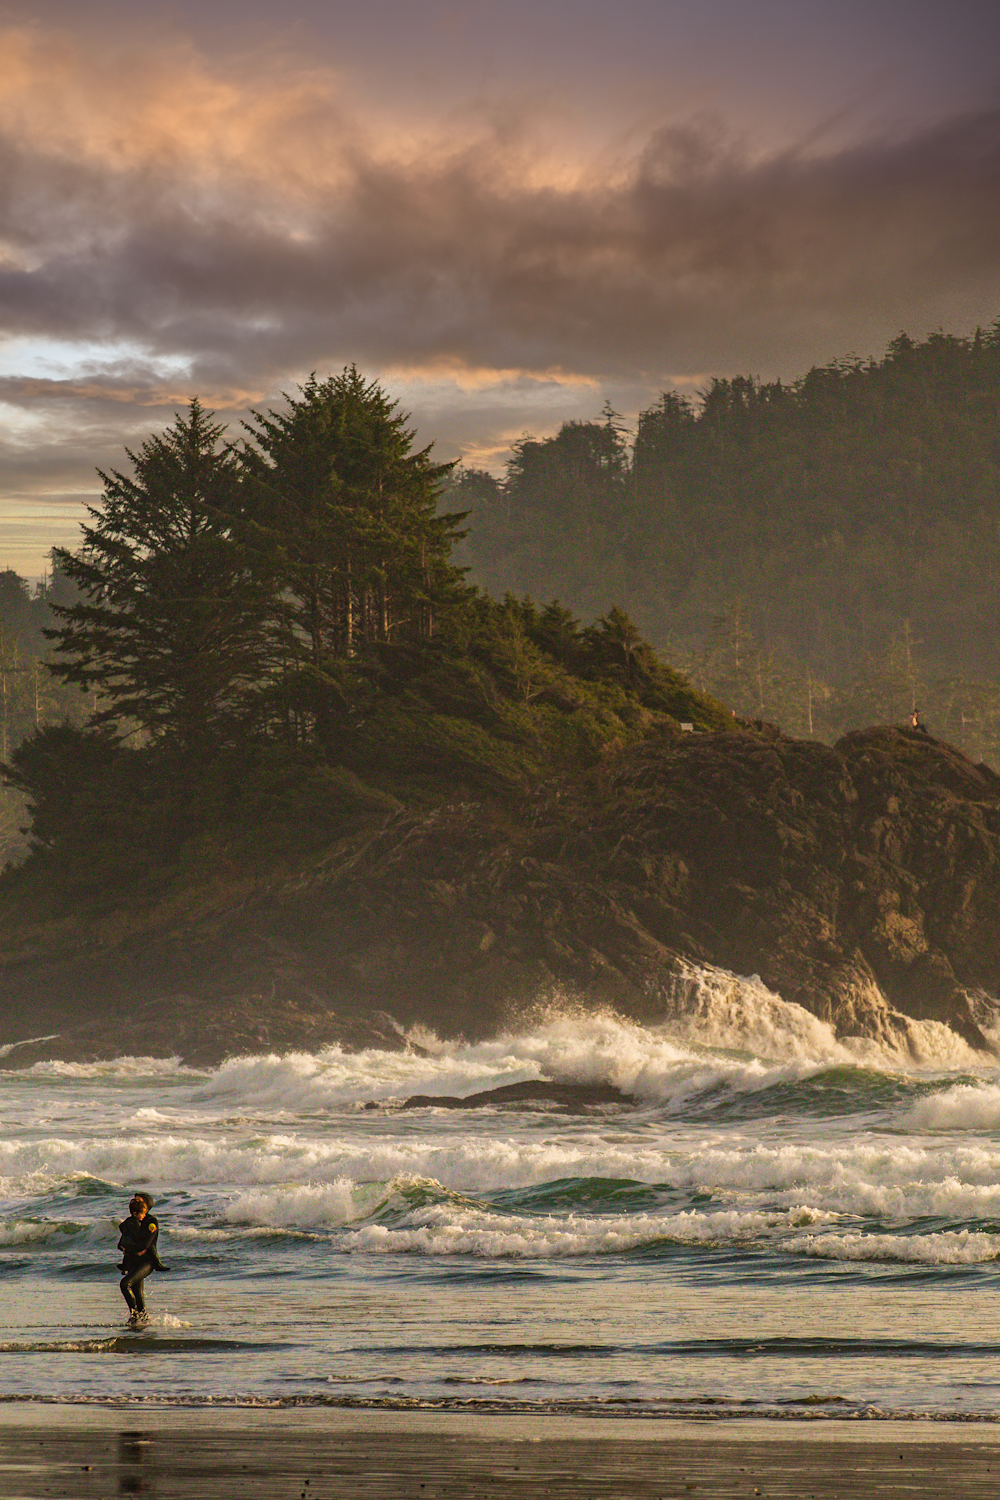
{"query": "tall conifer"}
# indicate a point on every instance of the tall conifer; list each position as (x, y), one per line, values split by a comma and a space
(169, 628)
(344, 513)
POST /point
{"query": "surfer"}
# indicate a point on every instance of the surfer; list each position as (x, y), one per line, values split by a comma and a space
(139, 1233)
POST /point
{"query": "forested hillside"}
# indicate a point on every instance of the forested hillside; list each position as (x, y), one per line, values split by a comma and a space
(30, 695)
(263, 646)
(825, 554)
(280, 623)
(306, 783)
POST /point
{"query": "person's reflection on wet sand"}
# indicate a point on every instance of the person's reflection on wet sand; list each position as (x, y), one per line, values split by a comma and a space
(134, 1468)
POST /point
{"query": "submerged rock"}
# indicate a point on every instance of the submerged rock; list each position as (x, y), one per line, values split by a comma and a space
(571, 1098)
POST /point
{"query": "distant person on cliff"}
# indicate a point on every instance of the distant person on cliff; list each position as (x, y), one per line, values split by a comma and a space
(916, 724)
(137, 1242)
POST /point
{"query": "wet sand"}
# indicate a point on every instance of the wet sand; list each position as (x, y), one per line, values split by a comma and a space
(102, 1454)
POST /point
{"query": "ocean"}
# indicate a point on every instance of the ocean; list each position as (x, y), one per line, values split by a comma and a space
(782, 1225)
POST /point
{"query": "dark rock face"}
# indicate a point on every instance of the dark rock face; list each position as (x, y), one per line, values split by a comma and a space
(862, 882)
(831, 873)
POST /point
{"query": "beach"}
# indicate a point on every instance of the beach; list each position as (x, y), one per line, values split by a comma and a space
(84, 1454)
(774, 1272)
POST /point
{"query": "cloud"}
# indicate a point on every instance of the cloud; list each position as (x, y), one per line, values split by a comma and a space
(248, 223)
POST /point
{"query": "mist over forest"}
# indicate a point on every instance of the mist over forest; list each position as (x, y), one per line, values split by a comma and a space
(824, 554)
(265, 645)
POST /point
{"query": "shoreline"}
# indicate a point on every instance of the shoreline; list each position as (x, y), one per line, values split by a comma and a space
(112, 1415)
(91, 1453)
(20, 1411)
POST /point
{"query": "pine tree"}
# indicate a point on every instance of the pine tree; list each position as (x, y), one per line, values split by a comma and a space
(168, 630)
(344, 514)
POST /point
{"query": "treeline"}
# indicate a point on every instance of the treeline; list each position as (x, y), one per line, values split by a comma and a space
(30, 696)
(272, 642)
(824, 553)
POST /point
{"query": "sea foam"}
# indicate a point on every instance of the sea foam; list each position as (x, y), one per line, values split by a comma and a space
(733, 1033)
(963, 1106)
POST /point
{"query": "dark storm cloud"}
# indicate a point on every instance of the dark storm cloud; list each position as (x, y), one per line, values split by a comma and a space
(689, 255)
(171, 225)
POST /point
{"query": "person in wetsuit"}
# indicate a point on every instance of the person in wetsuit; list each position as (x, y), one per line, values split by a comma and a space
(139, 1233)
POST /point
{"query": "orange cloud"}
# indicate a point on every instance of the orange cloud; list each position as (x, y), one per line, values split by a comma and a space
(250, 221)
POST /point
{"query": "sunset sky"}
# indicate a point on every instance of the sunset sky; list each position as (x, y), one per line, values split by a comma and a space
(508, 212)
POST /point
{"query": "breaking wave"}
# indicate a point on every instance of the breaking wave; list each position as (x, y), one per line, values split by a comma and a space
(962, 1106)
(685, 1249)
(746, 1123)
(735, 1038)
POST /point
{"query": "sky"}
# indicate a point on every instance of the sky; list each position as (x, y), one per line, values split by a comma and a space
(509, 213)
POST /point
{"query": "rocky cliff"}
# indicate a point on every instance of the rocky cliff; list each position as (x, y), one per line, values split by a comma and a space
(862, 882)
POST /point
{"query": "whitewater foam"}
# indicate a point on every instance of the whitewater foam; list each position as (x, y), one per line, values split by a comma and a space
(15, 1232)
(963, 1106)
(961, 1247)
(714, 1008)
(285, 1181)
(444, 1229)
(125, 1069)
(721, 1031)
(730, 1033)
(659, 1252)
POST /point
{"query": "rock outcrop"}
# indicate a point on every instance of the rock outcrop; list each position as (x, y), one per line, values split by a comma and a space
(861, 881)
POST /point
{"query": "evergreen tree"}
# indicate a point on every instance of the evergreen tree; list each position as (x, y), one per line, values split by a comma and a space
(481, 497)
(618, 647)
(18, 616)
(558, 633)
(344, 515)
(826, 514)
(30, 697)
(168, 631)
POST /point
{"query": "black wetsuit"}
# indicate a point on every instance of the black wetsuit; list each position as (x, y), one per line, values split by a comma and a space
(139, 1257)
